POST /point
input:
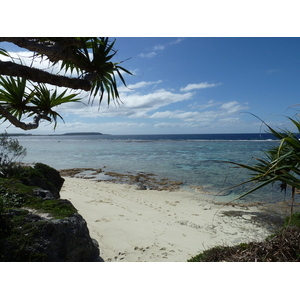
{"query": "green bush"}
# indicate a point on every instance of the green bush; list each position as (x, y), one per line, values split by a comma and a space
(8, 199)
(293, 220)
(10, 152)
(12, 193)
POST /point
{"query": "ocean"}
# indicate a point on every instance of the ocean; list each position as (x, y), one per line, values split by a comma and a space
(195, 159)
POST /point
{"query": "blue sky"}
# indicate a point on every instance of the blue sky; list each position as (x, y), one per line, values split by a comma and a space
(194, 85)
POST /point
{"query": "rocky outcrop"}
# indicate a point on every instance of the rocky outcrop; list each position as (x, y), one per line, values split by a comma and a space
(35, 236)
(37, 226)
(44, 177)
(67, 240)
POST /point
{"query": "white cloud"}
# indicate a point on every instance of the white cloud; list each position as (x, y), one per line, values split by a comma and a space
(233, 107)
(159, 47)
(177, 41)
(168, 125)
(138, 85)
(175, 114)
(133, 105)
(155, 100)
(197, 86)
(229, 105)
(223, 115)
(203, 106)
(164, 115)
(148, 55)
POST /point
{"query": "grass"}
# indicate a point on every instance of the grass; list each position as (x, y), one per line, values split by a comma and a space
(14, 194)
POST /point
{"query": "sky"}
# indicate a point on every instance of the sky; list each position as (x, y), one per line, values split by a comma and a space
(191, 85)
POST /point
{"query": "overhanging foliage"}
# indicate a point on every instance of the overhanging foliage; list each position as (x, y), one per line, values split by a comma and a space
(23, 89)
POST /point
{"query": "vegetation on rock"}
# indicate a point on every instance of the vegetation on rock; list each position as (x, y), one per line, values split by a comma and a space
(33, 228)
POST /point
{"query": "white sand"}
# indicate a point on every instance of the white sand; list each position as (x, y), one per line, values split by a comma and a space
(133, 225)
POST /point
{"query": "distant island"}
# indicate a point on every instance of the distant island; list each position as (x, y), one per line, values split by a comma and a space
(70, 133)
(83, 133)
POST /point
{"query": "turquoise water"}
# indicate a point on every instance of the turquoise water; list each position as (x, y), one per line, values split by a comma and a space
(196, 160)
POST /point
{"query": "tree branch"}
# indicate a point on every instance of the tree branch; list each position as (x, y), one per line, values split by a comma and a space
(36, 75)
(31, 45)
(25, 126)
(55, 52)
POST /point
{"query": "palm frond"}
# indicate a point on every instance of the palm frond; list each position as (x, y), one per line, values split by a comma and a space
(4, 52)
(13, 95)
(281, 163)
(91, 59)
(96, 54)
(45, 101)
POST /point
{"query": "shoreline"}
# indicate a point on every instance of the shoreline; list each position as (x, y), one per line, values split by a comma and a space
(132, 224)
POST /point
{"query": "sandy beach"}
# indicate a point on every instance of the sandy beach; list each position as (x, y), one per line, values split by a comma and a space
(134, 225)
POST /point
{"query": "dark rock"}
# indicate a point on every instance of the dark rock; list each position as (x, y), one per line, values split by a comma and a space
(51, 175)
(43, 177)
(36, 225)
(68, 240)
(43, 239)
(44, 194)
(141, 186)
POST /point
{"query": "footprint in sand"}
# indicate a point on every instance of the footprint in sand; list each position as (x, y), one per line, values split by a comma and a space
(141, 249)
(102, 220)
(119, 257)
(173, 204)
